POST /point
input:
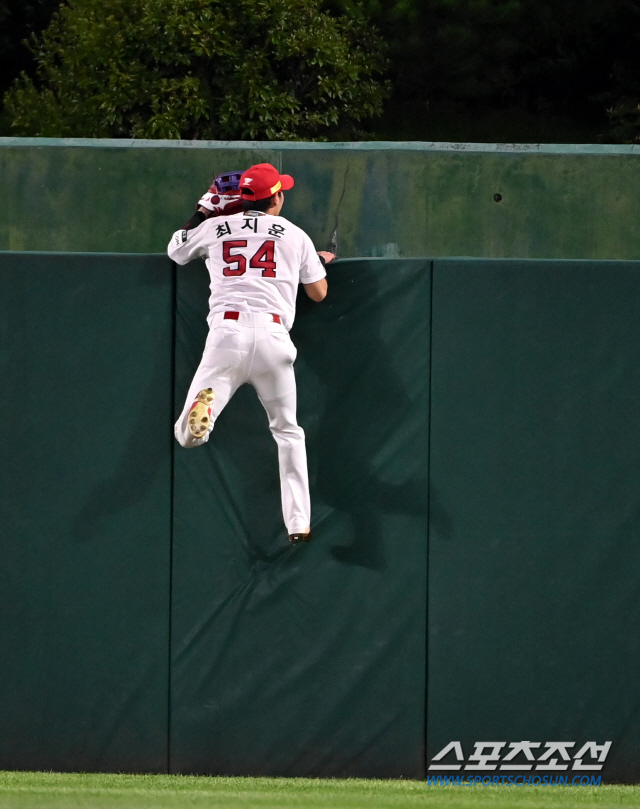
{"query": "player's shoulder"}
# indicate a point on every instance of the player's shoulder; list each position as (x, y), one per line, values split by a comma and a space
(218, 226)
(288, 225)
(234, 217)
(285, 223)
(210, 223)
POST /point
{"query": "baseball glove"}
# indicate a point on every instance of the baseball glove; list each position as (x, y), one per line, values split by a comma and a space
(223, 196)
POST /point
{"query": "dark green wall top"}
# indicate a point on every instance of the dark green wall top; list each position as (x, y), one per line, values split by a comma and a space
(366, 199)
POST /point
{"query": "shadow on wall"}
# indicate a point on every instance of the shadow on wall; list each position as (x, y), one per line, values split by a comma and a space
(360, 420)
(366, 408)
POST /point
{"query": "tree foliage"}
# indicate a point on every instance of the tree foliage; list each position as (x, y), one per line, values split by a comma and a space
(215, 69)
(313, 68)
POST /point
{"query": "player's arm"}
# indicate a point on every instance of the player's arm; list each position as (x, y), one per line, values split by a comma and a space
(312, 273)
(325, 257)
(185, 245)
(317, 291)
(197, 219)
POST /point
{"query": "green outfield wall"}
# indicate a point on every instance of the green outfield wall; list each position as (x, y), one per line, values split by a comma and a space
(359, 199)
(86, 384)
(472, 430)
(309, 663)
(534, 513)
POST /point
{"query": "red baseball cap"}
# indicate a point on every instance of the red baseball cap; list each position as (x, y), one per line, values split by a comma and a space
(263, 181)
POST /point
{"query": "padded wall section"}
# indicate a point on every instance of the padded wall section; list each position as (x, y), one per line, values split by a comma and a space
(309, 661)
(85, 494)
(358, 199)
(534, 594)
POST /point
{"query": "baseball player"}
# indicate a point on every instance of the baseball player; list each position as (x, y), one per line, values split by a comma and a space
(256, 260)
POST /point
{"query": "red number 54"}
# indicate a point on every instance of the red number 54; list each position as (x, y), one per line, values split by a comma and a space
(263, 259)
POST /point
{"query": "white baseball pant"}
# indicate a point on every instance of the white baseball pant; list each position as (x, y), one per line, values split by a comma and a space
(257, 350)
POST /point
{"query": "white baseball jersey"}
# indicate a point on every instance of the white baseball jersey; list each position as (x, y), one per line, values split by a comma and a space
(255, 261)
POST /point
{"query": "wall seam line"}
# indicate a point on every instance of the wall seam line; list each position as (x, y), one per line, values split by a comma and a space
(174, 304)
(428, 537)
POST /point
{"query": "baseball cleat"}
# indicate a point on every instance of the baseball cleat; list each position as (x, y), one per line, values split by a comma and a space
(297, 538)
(200, 422)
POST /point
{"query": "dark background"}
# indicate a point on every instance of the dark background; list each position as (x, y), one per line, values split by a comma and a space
(461, 70)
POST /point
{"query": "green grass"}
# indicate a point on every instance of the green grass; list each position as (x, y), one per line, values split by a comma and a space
(76, 791)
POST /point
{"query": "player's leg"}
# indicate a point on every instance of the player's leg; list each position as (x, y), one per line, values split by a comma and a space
(273, 378)
(220, 373)
(222, 389)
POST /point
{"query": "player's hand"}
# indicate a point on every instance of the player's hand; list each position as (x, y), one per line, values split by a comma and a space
(326, 255)
(220, 204)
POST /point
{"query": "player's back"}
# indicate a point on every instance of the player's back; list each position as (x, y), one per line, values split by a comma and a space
(256, 262)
